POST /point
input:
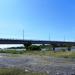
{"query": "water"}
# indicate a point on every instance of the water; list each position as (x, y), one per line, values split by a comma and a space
(58, 49)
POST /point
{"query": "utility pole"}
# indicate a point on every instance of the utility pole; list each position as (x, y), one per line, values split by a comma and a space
(49, 37)
(49, 40)
(23, 34)
(64, 38)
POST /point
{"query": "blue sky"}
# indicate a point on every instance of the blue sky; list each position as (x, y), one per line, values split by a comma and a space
(38, 19)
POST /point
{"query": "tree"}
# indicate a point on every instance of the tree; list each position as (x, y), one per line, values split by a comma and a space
(27, 45)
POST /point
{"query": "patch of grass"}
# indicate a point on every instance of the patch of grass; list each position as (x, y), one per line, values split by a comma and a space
(63, 54)
(63, 50)
(14, 71)
(12, 51)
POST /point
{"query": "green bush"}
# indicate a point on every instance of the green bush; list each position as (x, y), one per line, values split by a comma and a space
(65, 56)
(12, 51)
(27, 45)
(63, 50)
(34, 48)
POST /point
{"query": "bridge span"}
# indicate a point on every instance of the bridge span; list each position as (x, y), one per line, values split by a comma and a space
(52, 43)
(21, 41)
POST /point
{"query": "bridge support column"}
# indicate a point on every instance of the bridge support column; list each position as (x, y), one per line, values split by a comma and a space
(69, 48)
(43, 44)
(53, 46)
(50, 47)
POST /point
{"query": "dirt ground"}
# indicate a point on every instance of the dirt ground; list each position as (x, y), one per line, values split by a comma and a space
(50, 65)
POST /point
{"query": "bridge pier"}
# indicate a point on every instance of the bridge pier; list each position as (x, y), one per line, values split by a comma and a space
(43, 44)
(69, 48)
(53, 46)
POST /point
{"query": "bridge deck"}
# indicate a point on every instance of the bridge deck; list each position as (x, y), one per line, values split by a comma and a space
(18, 41)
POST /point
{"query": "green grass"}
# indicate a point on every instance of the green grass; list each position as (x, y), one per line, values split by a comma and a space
(66, 54)
(12, 51)
(13, 71)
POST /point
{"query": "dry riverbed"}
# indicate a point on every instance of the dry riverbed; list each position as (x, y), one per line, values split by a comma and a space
(36, 63)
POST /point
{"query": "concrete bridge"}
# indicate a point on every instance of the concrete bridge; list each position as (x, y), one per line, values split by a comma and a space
(52, 43)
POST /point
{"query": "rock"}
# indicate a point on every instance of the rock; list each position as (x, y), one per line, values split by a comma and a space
(26, 70)
(47, 72)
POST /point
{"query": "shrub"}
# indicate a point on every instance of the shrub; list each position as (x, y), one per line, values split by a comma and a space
(12, 51)
(34, 48)
(63, 50)
(27, 45)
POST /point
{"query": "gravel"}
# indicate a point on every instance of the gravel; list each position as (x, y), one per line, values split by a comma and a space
(50, 65)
